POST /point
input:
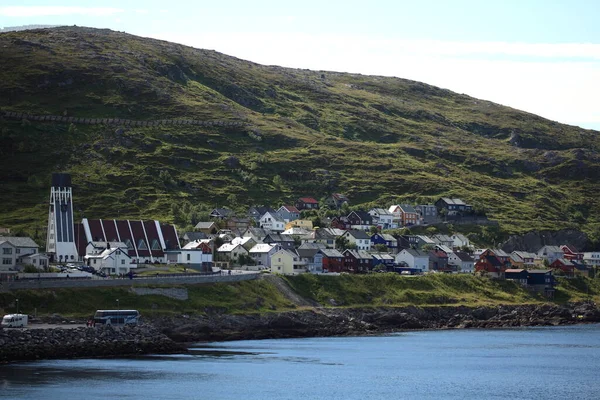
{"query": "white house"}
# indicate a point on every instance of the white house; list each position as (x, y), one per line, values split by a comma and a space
(361, 239)
(95, 248)
(463, 261)
(38, 260)
(231, 252)
(8, 252)
(272, 222)
(383, 218)
(111, 261)
(550, 253)
(196, 254)
(23, 245)
(261, 254)
(592, 258)
(414, 259)
(460, 240)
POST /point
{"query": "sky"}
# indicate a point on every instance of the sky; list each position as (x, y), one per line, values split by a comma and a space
(540, 56)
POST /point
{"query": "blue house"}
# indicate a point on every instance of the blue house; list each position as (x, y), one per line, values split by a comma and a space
(387, 240)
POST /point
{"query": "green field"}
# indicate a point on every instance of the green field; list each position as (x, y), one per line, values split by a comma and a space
(261, 296)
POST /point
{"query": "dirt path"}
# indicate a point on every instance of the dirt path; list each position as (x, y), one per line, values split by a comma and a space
(288, 292)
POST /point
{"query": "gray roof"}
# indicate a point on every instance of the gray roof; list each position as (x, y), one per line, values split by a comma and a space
(359, 234)
(464, 256)
(307, 253)
(407, 208)
(309, 245)
(331, 253)
(417, 253)
(204, 225)
(358, 254)
(454, 201)
(191, 236)
(19, 241)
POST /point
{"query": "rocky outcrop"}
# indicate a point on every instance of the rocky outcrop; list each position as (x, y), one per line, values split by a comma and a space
(533, 241)
(100, 341)
(360, 321)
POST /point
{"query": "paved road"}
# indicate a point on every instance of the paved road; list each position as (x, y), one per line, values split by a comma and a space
(49, 326)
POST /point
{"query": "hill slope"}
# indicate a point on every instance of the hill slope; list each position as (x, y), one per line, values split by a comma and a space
(376, 139)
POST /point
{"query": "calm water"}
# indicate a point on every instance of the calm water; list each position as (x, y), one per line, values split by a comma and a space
(534, 363)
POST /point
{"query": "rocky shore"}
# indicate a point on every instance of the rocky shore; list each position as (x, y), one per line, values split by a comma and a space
(363, 321)
(101, 341)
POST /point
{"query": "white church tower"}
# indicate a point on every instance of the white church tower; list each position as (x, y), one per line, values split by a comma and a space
(61, 236)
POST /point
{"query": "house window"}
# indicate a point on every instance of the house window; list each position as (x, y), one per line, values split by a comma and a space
(279, 260)
(129, 244)
(6, 261)
(142, 245)
(34, 261)
(7, 251)
(188, 257)
(94, 261)
(156, 245)
(18, 251)
(123, 262)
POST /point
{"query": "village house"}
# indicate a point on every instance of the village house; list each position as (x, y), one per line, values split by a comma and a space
(221, 213)
(237, 224)
(427, 213)
(524, 259)
(245, 241)
(571, 253)
(382, 218)
(296, 232)
(256, 212)
(463, 262)
(550, 253)
(231, 252)
(307, 203)
(390, 242)
(565, 266)
(358, 261)
(385, 260)
(312, 259)
(460, 241)
(272, 222)
(453, 206)
(38, 260)
(300, 223)
(333, 260)
(360, 239)
(197, 255)
(443, 240)
(516, 274)
(438, 261)
(193, 236)
(207, 227)
(336, 201)
(493, 262)
(289, 213)
(408, 215)
(258, 234)
(592, 258)
(261, 254)
(320, 235)
(111, 261)
(341, 222)
(414, 259)
(23, 245)
(285, 242)
(9, 258)
(286, 262)
(360, 220)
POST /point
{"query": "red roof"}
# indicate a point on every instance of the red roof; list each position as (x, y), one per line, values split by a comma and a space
(292, 209)
(308, 200)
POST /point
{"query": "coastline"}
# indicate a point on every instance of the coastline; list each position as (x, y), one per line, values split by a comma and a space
(171, 335)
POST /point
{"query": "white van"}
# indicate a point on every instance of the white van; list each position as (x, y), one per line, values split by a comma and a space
(14, 321)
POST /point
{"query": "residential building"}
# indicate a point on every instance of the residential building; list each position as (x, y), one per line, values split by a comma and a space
(38, 260)
(517, 275)
(289, 213)
(231, 252)
(8, 253)
(300, 223)
(307, 203)
(360, 220)
(258, 234)
(246, 241)
(333, 260)
(287, 262)
(115, 260)
(550, 253)
(256, 212)
(261, 254)
(320, 235)
(382, 218)
(193, 236)
(283, 241)
(571, 253)
(197, 255)
(272, 222)
(390, 242)
(340, 223)
(438, 261)
(463, 262)
(592, 258)
(443, 240)
(311, 258)
(453, 205)
(358, 261)
(408, 215)
(567, 267)
(206, 227)
(414, 259)
(460, 241)
(385, 260)
(427, 213)
(23, 245)
(361, 239)
(221, 213)
(336, 201)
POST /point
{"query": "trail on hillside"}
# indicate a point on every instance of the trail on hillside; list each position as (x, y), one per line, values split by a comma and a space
(289, 293)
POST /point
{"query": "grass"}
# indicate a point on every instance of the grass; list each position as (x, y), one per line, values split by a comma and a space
(376, 139)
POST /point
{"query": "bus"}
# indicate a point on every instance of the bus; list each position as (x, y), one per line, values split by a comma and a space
(14, 321)
(116, 317)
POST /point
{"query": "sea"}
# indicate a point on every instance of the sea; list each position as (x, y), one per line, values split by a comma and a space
(524, 363)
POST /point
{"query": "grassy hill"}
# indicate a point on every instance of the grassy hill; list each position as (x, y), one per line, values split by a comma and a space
(376, 139)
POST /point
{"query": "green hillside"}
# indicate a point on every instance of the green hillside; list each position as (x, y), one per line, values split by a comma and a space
(376, 139)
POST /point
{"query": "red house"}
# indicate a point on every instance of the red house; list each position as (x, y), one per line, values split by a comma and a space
(307, 203)
(340, 223)
(358, 261)
(494, 262)
(571, 253)
(564, 265)
(333, 260)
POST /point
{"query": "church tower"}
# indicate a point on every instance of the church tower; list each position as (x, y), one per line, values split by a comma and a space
(61, 236)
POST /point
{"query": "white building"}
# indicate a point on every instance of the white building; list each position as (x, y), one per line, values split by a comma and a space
(383, 218)
(8, 253)
(414, 259)
(463, 261)
(111, 261)
(261, 254)
(592, 258)
(359, 238)
(460, 240)
(272, 222)
(60, 241)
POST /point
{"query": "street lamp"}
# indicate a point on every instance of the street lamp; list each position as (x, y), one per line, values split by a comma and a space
(17, 301)
(118, 304)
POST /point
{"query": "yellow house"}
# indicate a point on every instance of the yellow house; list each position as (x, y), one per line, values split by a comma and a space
(287, 263)
(300, 223)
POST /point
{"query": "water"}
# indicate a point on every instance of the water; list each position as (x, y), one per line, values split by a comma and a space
(532, 363)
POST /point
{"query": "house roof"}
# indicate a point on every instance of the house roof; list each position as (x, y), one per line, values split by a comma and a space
(358, 254)
(100, 245)
(335, 231)
(290, 209)
(331, 253)
(278, 237)
(356, 234)
(194, 235)
(222, 211)
(493, 260)
(308, 200)
(227, 247)
(426, 239)
(538, 271)
(525, 254)
(258, 232)
(294, 230)
(550, 249)
(382, 256)
(363, 215)
(241, 240)
(196, 243)
(388, 237)
(261, 248)
(416, 253)
(464, 256)
(339, 197)
(273, 215)
(442, 238)
(380, 211)
(309, 245)
(307, 253)
(407, 208)
(515, 270)
(444, 248)
(500, 253)
(455, 201)
(204, 225)
(19, 241)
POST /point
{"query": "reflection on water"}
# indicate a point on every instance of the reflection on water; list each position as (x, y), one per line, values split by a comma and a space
(467, 364)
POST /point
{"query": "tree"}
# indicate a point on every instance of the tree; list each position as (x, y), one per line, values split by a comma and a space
(374, 230)
(381, 248)
(341, 243)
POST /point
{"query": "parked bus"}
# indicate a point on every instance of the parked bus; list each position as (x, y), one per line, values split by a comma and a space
(116, 317)
(14, 321)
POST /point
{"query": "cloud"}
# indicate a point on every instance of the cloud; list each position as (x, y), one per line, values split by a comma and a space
(36, 11)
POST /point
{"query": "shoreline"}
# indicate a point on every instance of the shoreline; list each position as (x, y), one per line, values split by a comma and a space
(174, 335)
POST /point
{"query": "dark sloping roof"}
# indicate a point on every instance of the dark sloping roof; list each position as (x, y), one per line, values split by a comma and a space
(358, 234)
(19, 241)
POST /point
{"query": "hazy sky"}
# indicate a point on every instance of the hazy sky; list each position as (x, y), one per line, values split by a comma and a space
(538, 56)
